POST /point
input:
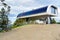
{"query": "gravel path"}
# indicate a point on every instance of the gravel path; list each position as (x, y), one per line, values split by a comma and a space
(33, 32)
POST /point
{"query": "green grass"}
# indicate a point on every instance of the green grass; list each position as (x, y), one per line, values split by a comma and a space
(15, 26)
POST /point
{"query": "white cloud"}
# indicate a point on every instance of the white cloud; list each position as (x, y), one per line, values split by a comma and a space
(24, 5)
(12, 19)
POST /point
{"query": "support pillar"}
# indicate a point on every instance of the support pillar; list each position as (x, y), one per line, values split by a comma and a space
(48, 20)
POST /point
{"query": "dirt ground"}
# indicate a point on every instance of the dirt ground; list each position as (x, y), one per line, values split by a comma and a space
(33, 32)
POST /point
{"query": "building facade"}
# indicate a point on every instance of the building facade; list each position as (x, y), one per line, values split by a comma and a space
(41, 15)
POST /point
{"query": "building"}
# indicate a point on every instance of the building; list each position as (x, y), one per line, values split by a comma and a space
(42, 14)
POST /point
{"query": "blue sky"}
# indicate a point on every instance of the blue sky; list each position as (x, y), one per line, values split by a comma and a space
(19, 6)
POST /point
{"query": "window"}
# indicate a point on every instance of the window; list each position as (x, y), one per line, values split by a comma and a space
(53, 10)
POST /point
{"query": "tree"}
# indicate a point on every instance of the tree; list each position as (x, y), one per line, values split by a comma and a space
(4, 15)
(2, 0)
(19, 22)
(53, 21)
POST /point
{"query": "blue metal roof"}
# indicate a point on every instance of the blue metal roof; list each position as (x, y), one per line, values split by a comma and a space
(36, 11)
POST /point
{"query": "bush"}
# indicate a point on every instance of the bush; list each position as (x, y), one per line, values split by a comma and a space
(53, 21)
(58, 22)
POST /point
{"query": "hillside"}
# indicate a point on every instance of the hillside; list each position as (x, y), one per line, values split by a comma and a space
(33, 32)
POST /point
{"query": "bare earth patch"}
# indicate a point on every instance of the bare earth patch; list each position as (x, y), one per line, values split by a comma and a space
(33, 32)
